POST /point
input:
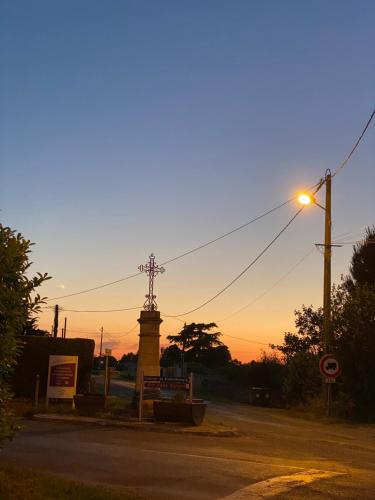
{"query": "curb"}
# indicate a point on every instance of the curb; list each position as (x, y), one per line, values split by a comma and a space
(170, 428)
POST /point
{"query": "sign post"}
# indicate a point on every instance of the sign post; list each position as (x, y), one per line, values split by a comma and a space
(191, 387)
(107, 353)
(330, 369)
(141, 398)
(62, 378)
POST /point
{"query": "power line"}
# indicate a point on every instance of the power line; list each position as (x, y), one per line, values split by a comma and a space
(95, 287)
(245, 340)
(169, 261)
(224, 334)
(244, 270)
(92, 332)
(270, 288)
(363, 242)
(342, 165)
(317, 186)
(228, 233)
(101, 310)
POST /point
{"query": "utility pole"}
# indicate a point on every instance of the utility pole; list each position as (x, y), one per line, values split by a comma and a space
(327, 330)
(327, 267)
(56, 322)
(101, 342)
(327, 340)
(65, 327)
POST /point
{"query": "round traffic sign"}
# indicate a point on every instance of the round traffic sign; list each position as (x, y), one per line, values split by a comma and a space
(329, 366)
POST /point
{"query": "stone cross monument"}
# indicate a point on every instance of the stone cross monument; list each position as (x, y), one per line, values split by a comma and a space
(149, 336)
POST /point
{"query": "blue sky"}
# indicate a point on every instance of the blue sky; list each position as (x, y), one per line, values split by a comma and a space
(136, 126)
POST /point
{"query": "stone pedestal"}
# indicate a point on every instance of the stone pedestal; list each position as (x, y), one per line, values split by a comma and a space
(148, 352)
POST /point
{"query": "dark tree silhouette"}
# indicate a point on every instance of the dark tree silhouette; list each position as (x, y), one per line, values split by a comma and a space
(19, 302)
(198, 344)
(362, 267)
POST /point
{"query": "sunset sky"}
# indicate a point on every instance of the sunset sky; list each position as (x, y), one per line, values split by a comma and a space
(131, 127)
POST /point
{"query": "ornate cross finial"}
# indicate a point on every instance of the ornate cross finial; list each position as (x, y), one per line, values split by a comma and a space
(151, 269)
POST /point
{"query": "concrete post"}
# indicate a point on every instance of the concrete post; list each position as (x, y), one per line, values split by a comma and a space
(149, 349)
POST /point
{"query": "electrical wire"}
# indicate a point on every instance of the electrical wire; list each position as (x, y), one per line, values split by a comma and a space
(227, 234)
(101, 310)
(243, 271)
(270, 288)
(224, 334)
(342, 165)
(245, 340)
(169, 261)
(95, 287)
(317, 186)
(339, 168)
(363, 242)
(92, 332)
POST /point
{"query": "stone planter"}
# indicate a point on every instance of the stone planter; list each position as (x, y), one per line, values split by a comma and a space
(89, 404)
(189, 412)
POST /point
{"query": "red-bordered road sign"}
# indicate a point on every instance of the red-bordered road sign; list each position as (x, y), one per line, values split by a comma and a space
(329, 366)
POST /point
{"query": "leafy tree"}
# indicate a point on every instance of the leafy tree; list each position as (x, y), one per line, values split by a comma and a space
(353, 338)
(130, 357)
(355, 348)
(303, 381)
(19, 302)
(198, 344)
(31, 328)
(309, 325)
(99, 362)
(362, 267)
(170, 356)
(217, 357)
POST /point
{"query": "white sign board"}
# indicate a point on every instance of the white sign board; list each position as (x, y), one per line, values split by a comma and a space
(62, 377)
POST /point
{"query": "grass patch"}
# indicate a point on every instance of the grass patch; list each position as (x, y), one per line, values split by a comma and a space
(25, 408)
(19, 483)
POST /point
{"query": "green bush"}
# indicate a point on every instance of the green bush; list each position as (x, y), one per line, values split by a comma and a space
(34, 361)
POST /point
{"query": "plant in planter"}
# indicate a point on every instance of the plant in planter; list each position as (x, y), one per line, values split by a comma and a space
(89, 404)
(180, 409)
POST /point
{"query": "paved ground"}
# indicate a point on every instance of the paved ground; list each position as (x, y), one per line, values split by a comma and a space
(276, 456)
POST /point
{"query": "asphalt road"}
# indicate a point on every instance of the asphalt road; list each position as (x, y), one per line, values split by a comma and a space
(276, 456)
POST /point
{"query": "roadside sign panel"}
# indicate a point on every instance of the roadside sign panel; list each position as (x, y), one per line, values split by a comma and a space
(329, 366)
(151, 382)
(166, 383)
(329, 380)
(175, 383)
(62, 377)
(108, 352)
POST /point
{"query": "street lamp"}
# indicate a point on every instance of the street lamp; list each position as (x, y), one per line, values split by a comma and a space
(306, 199)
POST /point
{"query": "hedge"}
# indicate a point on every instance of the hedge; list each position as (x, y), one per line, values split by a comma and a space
(34, 360)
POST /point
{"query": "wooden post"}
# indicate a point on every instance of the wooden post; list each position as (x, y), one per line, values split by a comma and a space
(36, 394)
(191, 380)
(106, 377)
(101, 342)
(109, 380)
(56, 322)
(140, 399)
